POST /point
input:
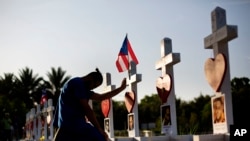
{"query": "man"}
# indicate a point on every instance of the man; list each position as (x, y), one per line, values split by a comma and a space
(73, 109)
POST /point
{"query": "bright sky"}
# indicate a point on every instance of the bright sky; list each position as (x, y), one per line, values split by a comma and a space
(80, 35)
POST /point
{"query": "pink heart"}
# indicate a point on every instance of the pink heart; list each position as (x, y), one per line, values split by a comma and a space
(215, 70)
(105, 105)
(129, 101)
(163, 87)
(48, 119)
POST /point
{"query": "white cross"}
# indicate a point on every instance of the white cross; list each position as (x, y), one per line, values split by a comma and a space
(132, 81)
(218, 41)
(107, 83)
(168, 59)
(165, 64)
(133, 77)
(222, 33)
(107, 88)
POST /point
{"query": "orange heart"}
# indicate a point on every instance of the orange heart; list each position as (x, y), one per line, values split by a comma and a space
(163, 87)
(105, 105)
(215, 70)
(129, 101)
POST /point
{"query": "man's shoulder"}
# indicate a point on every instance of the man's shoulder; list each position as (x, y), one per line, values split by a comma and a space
(76, 82)
(74, 79)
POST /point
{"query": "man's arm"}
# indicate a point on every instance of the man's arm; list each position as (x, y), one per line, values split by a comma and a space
(89, 113)
(91, 116)
(110, 94)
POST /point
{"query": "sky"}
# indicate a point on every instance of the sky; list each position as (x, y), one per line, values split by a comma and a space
(80, 35)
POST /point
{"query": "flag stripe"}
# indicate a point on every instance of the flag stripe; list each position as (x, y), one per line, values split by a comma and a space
(122, 63)
(131, 53)
(125, 55)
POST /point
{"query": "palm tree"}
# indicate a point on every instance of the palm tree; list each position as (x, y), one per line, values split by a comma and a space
(7, 84)
(57, 79)
(29, 86)
(7, 87)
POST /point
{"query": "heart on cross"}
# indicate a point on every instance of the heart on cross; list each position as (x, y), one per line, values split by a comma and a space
(42, 121)
(163, 87)
(129, 101)
(215, 69)
(31, 125)
(49, 119)
(105, 105)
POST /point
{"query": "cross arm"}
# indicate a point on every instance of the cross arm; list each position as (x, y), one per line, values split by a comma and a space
(134, 78)
(168, 60)
(224, 34)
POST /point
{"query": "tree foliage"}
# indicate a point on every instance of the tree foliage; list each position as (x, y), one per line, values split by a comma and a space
(28, 85)
(241, 98)
(57, 78)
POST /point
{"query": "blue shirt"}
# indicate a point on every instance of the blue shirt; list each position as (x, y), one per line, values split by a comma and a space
(70, 112)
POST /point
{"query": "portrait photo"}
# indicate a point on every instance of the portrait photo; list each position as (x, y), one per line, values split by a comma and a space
(106, 124)
(131, 121)
(218, 106)
(166, 115)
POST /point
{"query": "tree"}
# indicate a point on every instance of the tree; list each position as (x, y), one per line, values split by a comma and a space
(7, 85)
(149, 110)
(57, 79)
(12, 103)
(194, 116)
(120, 115)
(28, 86)
(240, 99)
(202, 108)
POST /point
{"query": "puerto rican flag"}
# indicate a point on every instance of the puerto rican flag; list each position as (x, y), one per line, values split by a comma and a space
(125, 56)
(44, 97)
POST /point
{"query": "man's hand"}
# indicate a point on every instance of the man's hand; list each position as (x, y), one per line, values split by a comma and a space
(124, 83)
(104, 134)
(110, 94)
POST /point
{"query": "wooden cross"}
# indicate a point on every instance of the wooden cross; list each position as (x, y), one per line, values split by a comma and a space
(107, 83)
(168, 59)
(107, 88)
(132, 81)
(165, 64)
(218, 41)
(221, 32)
(134, 78)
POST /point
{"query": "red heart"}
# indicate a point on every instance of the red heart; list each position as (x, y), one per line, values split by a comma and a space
(129, 101)
(163, 87)
(215, 70)
(105, 107)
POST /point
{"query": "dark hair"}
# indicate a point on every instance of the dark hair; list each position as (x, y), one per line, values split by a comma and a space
(219, 99)
(96, 75)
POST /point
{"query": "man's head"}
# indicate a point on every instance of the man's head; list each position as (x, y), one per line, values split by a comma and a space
(94, 79)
